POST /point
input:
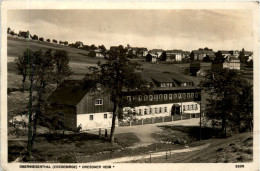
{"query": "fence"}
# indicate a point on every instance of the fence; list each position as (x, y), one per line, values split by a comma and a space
(159, 119)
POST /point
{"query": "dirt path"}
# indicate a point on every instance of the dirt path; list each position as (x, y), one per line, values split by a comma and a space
(153, 155)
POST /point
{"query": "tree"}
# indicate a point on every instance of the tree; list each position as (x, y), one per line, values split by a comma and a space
(22, 65)
(40, 74)
(116, 74)
(227, 90)
(54, 41)
(66, 43)
(63, 69)
(93, 47)
(41, 39)
(48, 40)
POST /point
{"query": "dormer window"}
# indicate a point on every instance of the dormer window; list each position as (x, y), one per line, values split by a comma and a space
(99, 102)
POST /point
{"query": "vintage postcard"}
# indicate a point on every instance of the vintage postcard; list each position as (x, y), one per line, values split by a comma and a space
(129, 85)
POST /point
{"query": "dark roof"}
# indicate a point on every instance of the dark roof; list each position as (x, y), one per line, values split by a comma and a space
(70, 93)
(224, 51)
(203, 52)
(164, 77)
(174, 51)
(156, 50)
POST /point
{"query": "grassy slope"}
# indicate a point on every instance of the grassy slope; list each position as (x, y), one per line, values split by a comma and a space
(238, 148)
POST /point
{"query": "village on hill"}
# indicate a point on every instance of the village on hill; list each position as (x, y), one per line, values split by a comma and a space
(87, 103)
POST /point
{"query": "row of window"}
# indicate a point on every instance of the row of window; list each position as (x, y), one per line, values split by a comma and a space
(153, 110)
(170, 84)
(160, 97)
(91, 117)
(165, 109)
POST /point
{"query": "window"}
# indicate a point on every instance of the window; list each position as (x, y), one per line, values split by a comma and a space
(196, 106)
(188, 95)
(184, 107)
(188, 107)
(192, 95)
(140, 111)
(155, 110)
(170, 85)
(179, 95)
(196, 95)
(140, 98)
(150, 110)
(170, 96)
(105, 116)
(151, 97)
(99, 102)
(184, 95)
(191, 107)
(160, 96)
(165, 109)
(128, 98)
(91, 117)
(175, 96)
(156, 97)
(160, 110)
(165, 96)
(145, 98)
(145, 111)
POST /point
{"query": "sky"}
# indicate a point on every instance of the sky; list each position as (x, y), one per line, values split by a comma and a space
(227, 29)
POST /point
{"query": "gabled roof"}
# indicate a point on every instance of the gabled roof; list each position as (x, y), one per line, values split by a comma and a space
(70, 93)
(174, 51)
(203, 52)
(155, 50)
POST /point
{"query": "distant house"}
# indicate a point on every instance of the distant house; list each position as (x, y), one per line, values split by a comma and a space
(230, 62)
(199, 68)
(199, 55)
(139, 51)
(79, 106)
(79, 44)
(185, 54)
(99, 53)
(223, 53)
(150, 57)
(174, 55)
(157, 52)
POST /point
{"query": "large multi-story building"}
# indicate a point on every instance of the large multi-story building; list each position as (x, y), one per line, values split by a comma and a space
(230, 62)
(170, 95)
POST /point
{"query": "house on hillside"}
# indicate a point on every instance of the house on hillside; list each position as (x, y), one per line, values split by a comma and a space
(157, 52)
(139, 51)
(199, 68)
(199, 55)
(150, 57)
(173, 55)
(170, 95)
(99, 53)
(79, 44)
(230, 62)
(80, 106)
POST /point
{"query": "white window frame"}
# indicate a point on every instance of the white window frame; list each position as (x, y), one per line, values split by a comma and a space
(156, 97)
(179, 96)
(145, 112)
(98, 102)
(170, 96)
(188, 95)
(150, 97)
(165, 109)
(192, 95)
(196, 95)
(165, 95)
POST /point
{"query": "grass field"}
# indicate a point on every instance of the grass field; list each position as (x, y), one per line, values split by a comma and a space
(236, 149)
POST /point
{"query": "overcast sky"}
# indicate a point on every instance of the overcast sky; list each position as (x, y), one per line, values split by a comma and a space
(166, 29)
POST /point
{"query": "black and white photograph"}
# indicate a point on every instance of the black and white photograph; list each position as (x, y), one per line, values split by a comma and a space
(85, 86)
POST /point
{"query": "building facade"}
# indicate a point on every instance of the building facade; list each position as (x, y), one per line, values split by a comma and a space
(170, 95)
(173, 55)
(230, 62)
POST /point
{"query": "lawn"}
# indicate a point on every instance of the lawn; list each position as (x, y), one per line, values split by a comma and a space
(69, 147)
(236, 149)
